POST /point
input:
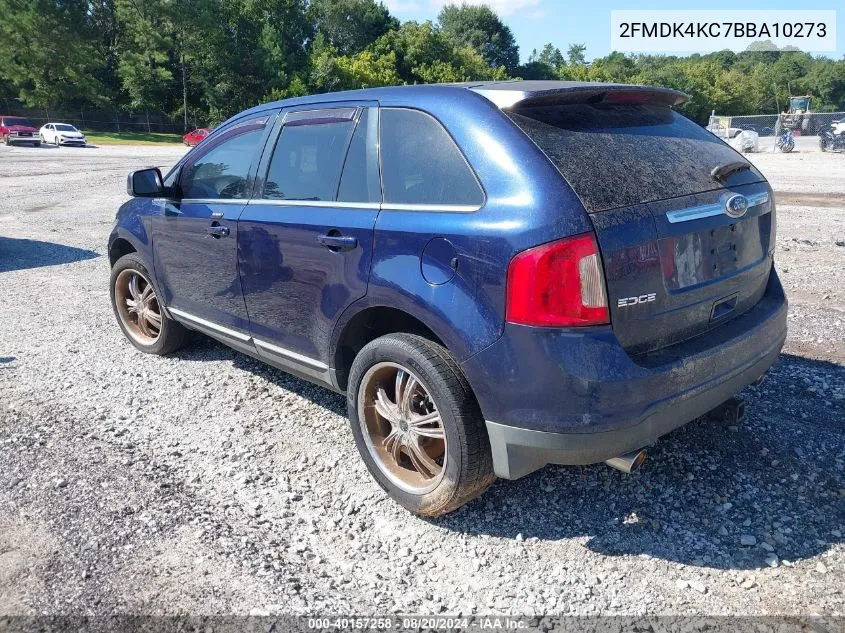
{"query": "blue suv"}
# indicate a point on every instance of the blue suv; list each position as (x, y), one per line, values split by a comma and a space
(498, 275)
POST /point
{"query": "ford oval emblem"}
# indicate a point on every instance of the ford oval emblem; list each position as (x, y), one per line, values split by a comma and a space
(736, 206)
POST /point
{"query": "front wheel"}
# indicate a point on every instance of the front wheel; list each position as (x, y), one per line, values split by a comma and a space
(417, 424)
(138, 311)
(6, 139)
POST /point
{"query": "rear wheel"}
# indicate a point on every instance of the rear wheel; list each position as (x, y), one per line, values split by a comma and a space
(138, 310)
(417, 425)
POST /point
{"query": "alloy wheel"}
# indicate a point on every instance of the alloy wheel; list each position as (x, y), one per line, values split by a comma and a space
(138, 306)
(402, 427)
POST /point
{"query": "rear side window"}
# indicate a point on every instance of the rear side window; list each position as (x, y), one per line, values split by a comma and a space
(222, 172)
(420, 163)
(619, 155)
(309, 156)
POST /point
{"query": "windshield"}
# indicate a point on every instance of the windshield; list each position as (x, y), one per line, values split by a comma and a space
(17, 121)
(617, 156)
(801, 103)
(64, 127)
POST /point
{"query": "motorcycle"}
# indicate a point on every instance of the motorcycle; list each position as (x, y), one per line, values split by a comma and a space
(786, 141)
(833, 138)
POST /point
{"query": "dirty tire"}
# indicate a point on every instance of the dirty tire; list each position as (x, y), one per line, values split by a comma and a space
(469, 463)
(172, 336)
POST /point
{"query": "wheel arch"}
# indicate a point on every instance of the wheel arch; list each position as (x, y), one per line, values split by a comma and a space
(367, 324)
(131, 234)
(119, 247)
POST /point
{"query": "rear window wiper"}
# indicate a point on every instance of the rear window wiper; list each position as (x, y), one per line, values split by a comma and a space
(723, 172)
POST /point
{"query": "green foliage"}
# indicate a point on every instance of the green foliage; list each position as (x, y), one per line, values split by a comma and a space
(363, 70)
(424, 54)
(218, 57)
(575, 54)
(48, 52)
(481, 29)
(350, 26)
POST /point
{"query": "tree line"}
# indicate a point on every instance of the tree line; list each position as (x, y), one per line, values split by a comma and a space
(209, 59)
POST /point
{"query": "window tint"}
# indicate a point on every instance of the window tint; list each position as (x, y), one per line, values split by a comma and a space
(360, 181)
(222, 172)
(421, 164)
(309, 156)
(620, 155)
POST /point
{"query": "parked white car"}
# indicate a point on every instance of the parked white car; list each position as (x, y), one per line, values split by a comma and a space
(61, 134)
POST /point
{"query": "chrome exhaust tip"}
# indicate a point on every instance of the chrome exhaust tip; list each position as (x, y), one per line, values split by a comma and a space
(629, 462)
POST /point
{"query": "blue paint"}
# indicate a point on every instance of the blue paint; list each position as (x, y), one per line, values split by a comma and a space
(274, 278)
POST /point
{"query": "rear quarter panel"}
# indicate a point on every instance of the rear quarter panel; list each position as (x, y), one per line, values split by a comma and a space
(527, 203)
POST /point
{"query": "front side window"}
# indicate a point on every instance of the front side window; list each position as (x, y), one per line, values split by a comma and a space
(222, 171)
(420, 163)
(309, 155)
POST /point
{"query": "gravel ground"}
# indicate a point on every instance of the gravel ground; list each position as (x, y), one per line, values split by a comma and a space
(209, 483)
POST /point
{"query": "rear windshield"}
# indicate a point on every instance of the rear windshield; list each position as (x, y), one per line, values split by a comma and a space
(619, 155)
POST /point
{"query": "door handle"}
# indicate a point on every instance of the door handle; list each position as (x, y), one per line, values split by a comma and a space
(338, 242)
(218, 231)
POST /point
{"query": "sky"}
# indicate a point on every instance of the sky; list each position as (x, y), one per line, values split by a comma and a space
(537, 22)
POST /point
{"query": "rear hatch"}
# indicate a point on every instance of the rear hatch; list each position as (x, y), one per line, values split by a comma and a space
(657, 187)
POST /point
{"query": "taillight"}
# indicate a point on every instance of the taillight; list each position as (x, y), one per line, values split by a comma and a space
(558, 284)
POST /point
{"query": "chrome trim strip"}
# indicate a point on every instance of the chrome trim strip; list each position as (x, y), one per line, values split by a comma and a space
(240, 201)
(696, 213)
(245, 338)
(710, 210)
(458, 208)
(264, 202)
(240, 336)
(757, 199)
(286, 353)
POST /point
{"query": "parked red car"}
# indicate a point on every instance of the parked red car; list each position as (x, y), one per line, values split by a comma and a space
(15, 129)
(193, 138)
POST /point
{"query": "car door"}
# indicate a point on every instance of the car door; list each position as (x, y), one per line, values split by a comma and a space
(49, 135)
(305, 240)
(195, 233)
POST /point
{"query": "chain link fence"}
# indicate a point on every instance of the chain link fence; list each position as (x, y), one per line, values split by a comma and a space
(102, 120)
(804, 126)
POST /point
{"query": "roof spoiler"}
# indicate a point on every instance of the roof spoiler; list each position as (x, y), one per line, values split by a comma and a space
(619, 94)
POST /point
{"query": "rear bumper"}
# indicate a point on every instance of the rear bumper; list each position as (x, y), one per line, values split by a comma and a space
(579, 398)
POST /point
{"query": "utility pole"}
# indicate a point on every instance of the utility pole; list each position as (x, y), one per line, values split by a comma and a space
(184, 92)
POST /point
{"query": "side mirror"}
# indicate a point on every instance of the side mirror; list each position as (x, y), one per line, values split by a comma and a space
(145, 183)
